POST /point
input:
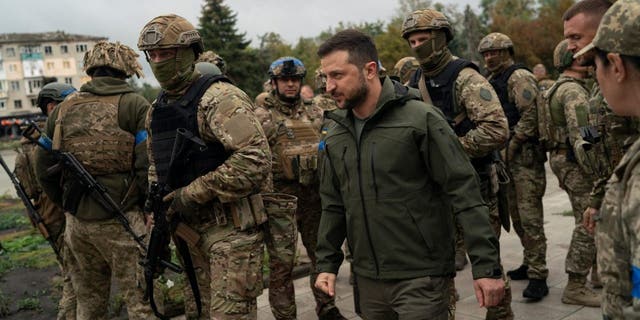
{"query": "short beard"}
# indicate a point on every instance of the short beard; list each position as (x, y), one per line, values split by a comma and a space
(359, 96)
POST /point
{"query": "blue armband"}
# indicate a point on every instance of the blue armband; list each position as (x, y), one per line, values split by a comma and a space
(635, 282)
(45, 142)
(141, 136)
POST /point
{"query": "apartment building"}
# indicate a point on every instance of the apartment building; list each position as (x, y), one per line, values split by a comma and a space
(28, 59)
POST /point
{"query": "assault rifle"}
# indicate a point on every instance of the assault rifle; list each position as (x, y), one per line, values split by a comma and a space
(34, 216)
(89, 184)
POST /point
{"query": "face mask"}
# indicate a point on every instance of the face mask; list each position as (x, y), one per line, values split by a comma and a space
(177, 73)
(497, 62)
(433, 54)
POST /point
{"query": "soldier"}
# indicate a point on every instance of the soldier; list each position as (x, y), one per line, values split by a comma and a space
(380, 156)
(53, 216)
(215, 190)
(517, 89)
(292, 125)
(469, 102)
(540, 72)
(405, 68)
(106, 114)
(323, 99)
(212, 57)
(617, 59)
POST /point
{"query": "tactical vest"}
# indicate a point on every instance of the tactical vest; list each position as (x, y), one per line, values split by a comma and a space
(177, 164)
(552, 124)
(87, 126)
(501, 86)
(442, 91)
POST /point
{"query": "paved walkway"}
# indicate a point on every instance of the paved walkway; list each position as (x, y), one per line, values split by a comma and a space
(558, 229)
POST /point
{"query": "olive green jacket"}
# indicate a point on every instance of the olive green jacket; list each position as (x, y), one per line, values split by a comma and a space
(394, 195)
(132, 111)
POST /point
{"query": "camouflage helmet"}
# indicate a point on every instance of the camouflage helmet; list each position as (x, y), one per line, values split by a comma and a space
(170, 31)
(562, 58)
(212, 57)
(287, 67)
(54, 91)
(208, 68)
(427, 19)
(495, 41)
(619, 30)
(113, 55)
(321, 79)
(405, 67)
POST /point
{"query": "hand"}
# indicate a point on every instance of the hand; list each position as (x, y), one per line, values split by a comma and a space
(588, 219)
(179, 203)
(489, 292)
(327, 283)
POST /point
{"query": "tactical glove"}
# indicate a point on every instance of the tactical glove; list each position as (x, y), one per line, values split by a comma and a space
(180, 203)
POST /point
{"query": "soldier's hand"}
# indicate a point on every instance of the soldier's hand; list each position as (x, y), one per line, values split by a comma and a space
(179, 203)
(489, 292)
(327, 283)
(588, 219)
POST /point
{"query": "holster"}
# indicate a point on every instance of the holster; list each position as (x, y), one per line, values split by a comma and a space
(276, 204)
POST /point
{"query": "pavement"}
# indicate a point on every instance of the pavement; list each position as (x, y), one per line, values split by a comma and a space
(558, 228)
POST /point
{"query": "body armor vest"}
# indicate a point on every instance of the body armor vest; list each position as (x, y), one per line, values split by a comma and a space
(553, 122)
(87, 126)
(179, 153)
(501, 86)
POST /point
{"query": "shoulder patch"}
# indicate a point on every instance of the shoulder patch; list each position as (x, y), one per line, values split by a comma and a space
(485, 94)
(527, 95)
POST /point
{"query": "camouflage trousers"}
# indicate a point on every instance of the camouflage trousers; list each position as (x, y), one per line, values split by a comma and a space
(67, 304)
(100, 251)
(503, 310)
(575, 182)
(234, 258)
(281, 242)
(525, 194)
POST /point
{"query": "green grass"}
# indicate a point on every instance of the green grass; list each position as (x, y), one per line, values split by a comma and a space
(28, 250)
(30, 303)
(566, 213)
(13, 220)
(5, 303)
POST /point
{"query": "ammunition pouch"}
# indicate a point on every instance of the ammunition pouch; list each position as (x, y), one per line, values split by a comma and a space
(592, 158)
(248, 212)
(280, 204)
(299, 163)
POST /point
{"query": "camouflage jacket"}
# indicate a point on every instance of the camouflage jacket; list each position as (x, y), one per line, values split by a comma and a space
(132, 109)
(225, 114)
(568, 106)
(618, 239)
(523, 89)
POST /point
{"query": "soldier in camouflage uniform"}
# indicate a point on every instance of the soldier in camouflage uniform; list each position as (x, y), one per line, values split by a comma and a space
(617, 59)
(53, 216)
(323, 99)
(106, 114)
(212, 57)
(517, 89)
(477, 117)
(293, 125)
(215, 190)
(563, 112)
(540, 72)
(405, 68)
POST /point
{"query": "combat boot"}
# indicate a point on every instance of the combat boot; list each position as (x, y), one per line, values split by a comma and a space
(536, 289)
(331, 314)
(576, 292)
(520, 273)
(461, 260)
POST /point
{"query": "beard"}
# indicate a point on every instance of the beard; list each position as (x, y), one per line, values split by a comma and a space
(359, 96)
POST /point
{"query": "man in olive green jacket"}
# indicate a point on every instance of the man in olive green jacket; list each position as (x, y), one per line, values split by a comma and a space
(393, 179)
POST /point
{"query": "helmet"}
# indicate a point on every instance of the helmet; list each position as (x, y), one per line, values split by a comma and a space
(287, 67)
(427, 19)
(321, 79)
(562, 58)
(208, 68)
(170, 31)
(405, 67)
(619, 30)
(212, 57)
(495, 41)
(54, 91)
(113, 55)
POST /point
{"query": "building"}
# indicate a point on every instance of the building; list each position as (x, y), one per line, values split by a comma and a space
(29, 60)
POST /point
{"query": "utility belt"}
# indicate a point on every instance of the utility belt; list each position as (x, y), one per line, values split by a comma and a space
(245, 214)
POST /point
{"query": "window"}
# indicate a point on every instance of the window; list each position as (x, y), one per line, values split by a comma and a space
(11, 52)
(15, 85)
(50, 65)
(48, 50)
(2, 105)
(81, 47)
(34, 103)
(68, 80)
(17, 104)
(64, 48)
(1, 85)
(66, 64)
(12, 68)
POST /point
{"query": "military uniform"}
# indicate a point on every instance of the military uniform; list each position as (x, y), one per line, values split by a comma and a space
(470, 104)
(53, 218)
(216, 188)
(105, 115)
(545, 84)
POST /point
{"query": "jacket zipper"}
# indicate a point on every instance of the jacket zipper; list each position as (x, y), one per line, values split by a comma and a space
(373, 169)
(344, 166)
(364, 207)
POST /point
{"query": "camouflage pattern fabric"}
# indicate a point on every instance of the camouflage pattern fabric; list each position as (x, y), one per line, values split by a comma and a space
(545, 84)
(617, 239)
(98, 251)
(113, 55)
(234, 258)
